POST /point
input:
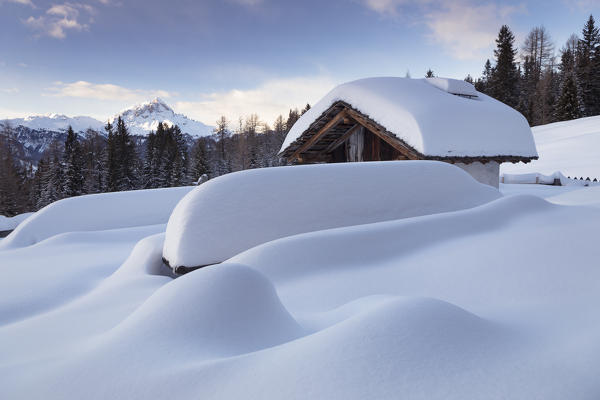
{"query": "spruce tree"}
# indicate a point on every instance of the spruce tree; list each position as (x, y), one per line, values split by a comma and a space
(112, 162)
(10, 177)
(52, 182)
(127, 158)
(179, 158)
(588, 68)
(148, 177)
(199, 160)
(73, 166)
(94, 162)
(567, 107)
(504, 77)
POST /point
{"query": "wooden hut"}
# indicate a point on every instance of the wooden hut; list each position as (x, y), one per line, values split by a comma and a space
(379, 119)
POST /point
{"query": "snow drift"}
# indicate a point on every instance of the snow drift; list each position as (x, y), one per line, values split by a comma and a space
(497, 301)
(10, 223)
(97, 212)
(237, 211)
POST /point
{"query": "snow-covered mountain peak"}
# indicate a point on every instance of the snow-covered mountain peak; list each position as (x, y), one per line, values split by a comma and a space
(145, 117)
(150, 107)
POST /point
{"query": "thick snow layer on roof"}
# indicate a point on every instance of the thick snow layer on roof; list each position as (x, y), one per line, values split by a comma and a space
(432, 121)
(237, 211)
(453, 86)
(570, 147)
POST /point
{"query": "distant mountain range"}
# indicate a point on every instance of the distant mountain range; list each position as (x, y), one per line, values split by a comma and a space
(35, 133)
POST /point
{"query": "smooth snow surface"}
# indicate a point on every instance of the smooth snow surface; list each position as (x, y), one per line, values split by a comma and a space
(235, 212)
(433, 121)
(10, 223)
(96, 212)
(499, 301)
(570, 147)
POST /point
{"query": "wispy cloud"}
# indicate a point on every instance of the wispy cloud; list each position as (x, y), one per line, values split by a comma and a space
(59, 19)
(102, 91)
(24, 2)
(9, 90)
(268, 100)
(464, 28)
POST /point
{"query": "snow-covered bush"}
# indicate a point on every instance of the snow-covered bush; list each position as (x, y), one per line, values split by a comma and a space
(235, 212)
(97, 212)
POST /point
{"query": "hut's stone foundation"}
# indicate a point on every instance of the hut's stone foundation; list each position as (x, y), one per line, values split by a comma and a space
(488, 173)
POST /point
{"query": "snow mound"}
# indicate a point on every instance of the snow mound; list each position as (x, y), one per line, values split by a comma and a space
(214, 312)
(10, 223)
(97, 212)
(453, 86)
(235, 212)
(314, 253)
(432, 121)
(492, 302)
(570, 147)
(589, 196)
(145, 259)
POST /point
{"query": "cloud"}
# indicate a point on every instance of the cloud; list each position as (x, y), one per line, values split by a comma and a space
(24, 2)
(60, 18)
(102, 91)
(9, 90)
(466, 29)
(268, 100)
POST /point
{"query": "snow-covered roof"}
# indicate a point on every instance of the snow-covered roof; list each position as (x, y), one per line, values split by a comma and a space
(437, 117)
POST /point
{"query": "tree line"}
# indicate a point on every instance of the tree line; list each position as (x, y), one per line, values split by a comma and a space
(114, 160)
(531, 78)
(541, 85)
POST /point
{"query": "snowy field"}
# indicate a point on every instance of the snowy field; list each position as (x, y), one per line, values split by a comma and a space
(570, 147)
(492, 300)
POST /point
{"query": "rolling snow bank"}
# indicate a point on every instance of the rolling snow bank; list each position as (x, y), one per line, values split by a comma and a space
(570, 147)
(10, 223)
(235, 212)
(498, 301)
(96, 212)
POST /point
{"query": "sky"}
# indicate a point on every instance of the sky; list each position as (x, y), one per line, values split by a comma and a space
(208, 58)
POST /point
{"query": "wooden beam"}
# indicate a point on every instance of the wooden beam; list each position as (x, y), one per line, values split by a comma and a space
(341, 139)
(376, 131)
(333, 122)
